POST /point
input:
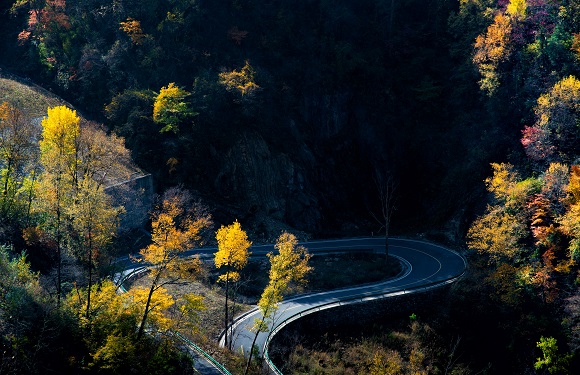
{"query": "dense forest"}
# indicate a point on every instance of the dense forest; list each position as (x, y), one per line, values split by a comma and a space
(291, 116)
(318, 97)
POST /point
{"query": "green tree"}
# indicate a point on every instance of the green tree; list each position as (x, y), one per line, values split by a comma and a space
(232, 255)
(32, 334)
(288, 270)
(171, 108)
(553, 362)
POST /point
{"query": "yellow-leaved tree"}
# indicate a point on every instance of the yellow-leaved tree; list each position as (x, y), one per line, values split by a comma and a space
(491, 49)
(94, 221)
(570, 220)
(77, 164)
(288, 270)
(171, 108)
(132, 28)
(497, 233)
(175, 229)
(58, 157)
(517, 9)
(554, 136)
(232, 255)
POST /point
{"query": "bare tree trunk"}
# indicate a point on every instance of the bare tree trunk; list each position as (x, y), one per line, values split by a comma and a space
(5, 189)
(30, 196)
(258, 330)
(90, 272)
(146, 312)
(58, 246)
(226, 320)
(234, 299)
(387, 245)
(386, 187)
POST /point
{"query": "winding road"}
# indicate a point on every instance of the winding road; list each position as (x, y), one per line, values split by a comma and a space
(425, 266)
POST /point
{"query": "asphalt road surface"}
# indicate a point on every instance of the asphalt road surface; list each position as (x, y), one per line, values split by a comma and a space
(426, 266)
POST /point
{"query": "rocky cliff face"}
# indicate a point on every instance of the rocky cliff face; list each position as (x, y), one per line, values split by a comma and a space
(266, 182)
(320, 179)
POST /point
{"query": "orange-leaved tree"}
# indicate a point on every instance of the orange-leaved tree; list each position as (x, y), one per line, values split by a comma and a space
(242, 81)
(491, 49)
(176, 228)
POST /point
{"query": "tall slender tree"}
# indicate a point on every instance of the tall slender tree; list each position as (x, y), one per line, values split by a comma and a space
(16, 153)
(58, 156)
(288, 269)
(175, 229)
(101, 159)
(232, 254)
(77, 164)
(387, 187)
(94, 223)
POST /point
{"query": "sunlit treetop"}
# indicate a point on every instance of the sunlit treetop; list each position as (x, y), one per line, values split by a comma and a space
(517, 9)
(60, 130)
(232, 251)
(242, 81)
(492, 48)
(171, 108)
(503, 180)
(132, 28)
(554, 135)
(290, 265)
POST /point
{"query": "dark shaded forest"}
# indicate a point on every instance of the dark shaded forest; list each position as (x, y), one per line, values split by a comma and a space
(289, 115)
(342, 92)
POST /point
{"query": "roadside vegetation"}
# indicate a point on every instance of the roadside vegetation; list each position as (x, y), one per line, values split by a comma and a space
(325, 275)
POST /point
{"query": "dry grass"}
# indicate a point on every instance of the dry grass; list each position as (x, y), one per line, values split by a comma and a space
(32, 100)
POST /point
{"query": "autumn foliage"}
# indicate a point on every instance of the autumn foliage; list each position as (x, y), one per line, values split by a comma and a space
(231, 257)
